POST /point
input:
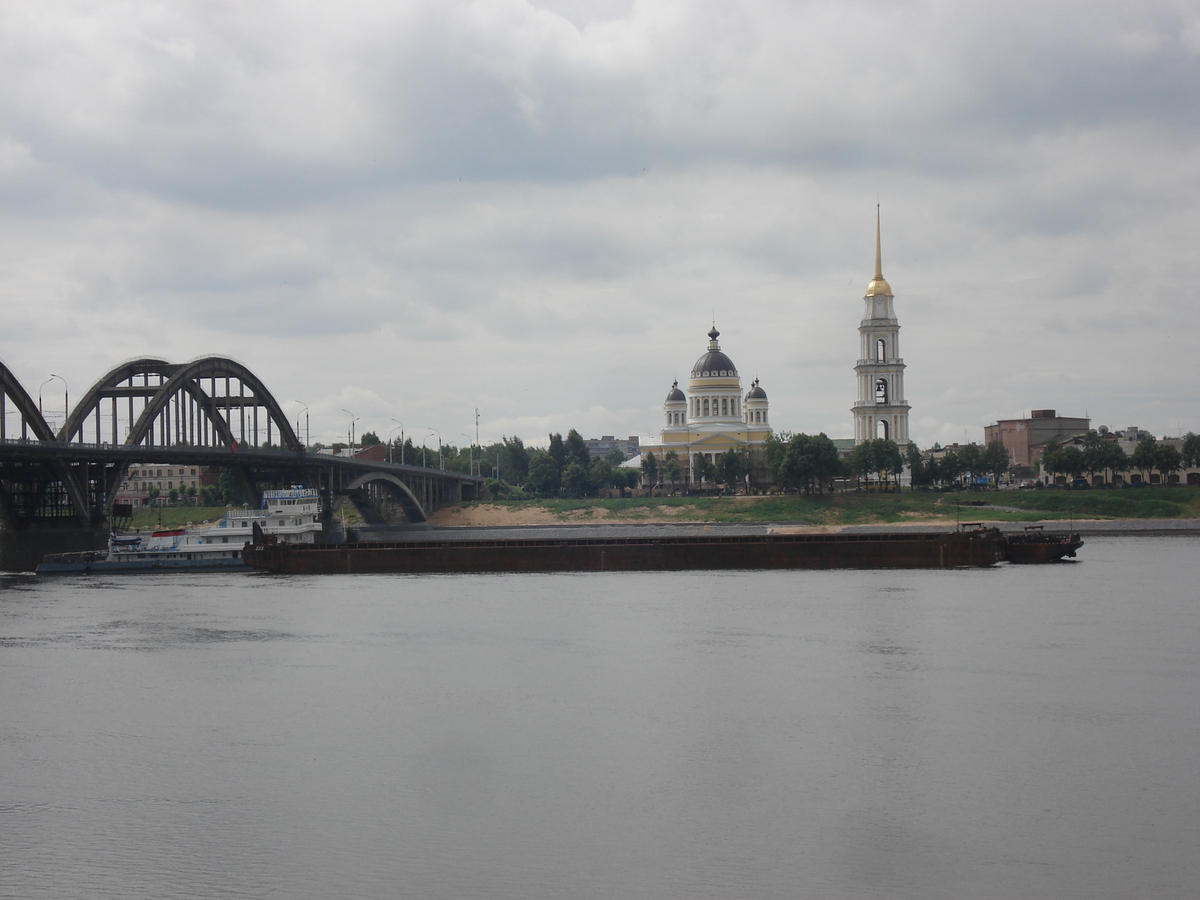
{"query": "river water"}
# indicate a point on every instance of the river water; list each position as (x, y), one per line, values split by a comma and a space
(1021, 732)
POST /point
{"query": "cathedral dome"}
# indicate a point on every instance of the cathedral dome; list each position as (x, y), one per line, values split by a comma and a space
(714, 363)
(756, 392)
(676, 395)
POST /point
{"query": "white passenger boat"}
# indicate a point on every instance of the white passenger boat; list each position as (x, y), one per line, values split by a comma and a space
(292, 516)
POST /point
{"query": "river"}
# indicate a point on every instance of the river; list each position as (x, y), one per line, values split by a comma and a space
(1019, 732)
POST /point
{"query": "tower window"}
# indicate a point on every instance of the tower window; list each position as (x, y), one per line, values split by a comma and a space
(882, 429)
(881, 350)
(881, 391)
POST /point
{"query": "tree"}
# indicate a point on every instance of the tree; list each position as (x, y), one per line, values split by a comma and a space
(173, 496)
(732, 466)
(233, 487)
(576, 449)
(557, 451)
(972, 461)
(920, 471)
(877, 455)
(368, 439)
(1145, 455)
(705, 471)
(650, 469)
(994, 460)
(152, 493)
(1167, 460)
(1191, 449)
(600, 475)
(1104, 456)
(949, 468)
(574, 479)
(544, 478)
(672, 468)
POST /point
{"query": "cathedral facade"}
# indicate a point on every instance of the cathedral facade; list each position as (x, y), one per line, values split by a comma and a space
(713, 416)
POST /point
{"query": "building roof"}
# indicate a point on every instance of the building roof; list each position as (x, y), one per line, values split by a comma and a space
(714, 363)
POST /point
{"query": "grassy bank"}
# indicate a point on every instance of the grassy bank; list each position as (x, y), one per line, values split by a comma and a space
(869, 508)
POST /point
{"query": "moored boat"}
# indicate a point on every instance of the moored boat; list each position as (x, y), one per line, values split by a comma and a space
(978, 547)
(289, 516)
(1035, 545)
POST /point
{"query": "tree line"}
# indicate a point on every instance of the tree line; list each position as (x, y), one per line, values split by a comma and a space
(1096, 454)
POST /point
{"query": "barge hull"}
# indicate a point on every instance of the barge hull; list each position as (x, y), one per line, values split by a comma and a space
(823, 551)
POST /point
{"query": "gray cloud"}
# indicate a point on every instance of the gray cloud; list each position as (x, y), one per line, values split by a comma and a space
(539, 207)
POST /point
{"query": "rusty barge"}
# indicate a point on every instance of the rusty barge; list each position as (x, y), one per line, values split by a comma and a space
(894, 550)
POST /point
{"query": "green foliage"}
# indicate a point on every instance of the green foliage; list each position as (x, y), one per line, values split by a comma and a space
(574, 479)
(878, 456)
(576, 449)
(368, 439)
(233, 487)
(544, 477)
(672, 468)
(808, 462)
(1191, 449)
(650, 468)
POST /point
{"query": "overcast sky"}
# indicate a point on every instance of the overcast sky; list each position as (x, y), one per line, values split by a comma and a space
(412, 209)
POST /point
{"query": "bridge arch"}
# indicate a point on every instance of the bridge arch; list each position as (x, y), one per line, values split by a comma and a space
(12, 392)
(34, 490)
(374, 492)
(209, 402)
(119, 384)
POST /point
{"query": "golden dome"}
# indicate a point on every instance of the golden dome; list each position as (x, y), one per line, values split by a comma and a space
(879, 288)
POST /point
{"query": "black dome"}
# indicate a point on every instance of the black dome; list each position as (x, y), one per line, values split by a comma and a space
(676, 394)
(756, 393)
(713, 363)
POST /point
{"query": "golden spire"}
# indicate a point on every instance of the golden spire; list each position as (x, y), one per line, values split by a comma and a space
(878, 286)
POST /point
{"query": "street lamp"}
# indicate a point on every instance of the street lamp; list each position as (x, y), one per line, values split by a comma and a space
(439, 437)
(393, 431)
(66, 405)
(468, 437)
(306, 432)
(351, 432)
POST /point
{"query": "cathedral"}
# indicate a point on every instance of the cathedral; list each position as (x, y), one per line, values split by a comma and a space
(713, 416)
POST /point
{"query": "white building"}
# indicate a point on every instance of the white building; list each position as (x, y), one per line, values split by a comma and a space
(880, 411)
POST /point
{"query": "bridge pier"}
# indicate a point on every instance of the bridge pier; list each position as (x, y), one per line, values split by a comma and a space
(22, 550)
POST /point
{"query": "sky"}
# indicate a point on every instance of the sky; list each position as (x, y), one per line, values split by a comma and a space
(413, 210)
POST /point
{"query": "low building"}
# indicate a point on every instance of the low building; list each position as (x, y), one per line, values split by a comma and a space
(135, 489)
(601, 447)
(1024, 439)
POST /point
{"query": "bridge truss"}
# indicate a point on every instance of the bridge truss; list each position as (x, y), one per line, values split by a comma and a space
(212, 411)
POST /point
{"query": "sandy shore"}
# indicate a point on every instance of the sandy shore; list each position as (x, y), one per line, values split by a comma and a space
(488, 515)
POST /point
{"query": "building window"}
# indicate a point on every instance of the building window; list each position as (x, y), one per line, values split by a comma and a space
(881, 350)
(724, 406)
(881, 391)
(705, 406)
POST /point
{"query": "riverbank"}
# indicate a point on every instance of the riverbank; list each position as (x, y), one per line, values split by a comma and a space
(1150, 510)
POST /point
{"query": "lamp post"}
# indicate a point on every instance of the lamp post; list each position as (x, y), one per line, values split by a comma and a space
(66, 405)
(351, 431)
(306, 433)
(468, 437)
(439, 437)
(400, 425)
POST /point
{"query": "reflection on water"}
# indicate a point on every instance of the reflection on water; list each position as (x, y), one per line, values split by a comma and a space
(1020, 732)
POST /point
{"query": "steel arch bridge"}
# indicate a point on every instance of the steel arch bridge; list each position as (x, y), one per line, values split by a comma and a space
(212, 411)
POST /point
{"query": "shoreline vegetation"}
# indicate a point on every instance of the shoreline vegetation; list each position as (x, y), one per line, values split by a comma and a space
(822, 511)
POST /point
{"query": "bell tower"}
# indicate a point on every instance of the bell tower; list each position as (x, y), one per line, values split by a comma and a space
(880, 411)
